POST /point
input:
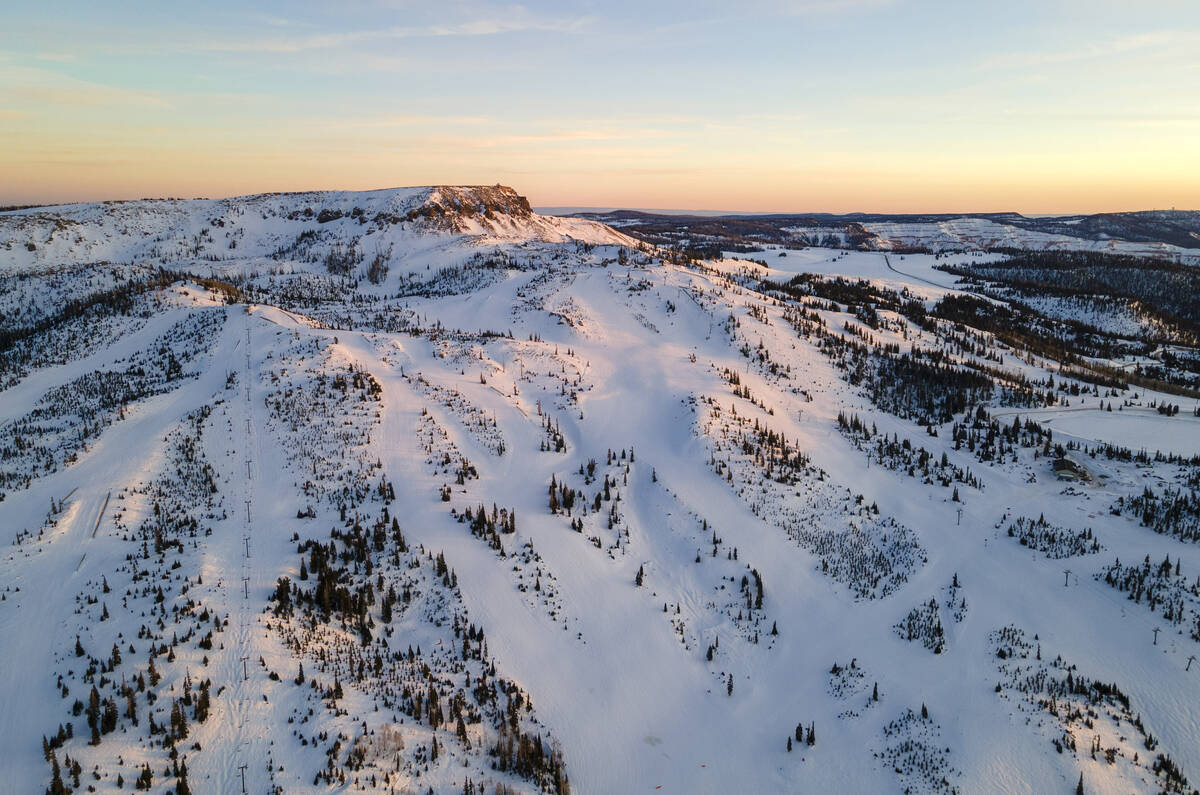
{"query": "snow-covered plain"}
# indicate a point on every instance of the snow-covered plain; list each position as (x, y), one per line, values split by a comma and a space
(679, 561)
(1141, 429)
(969, 234)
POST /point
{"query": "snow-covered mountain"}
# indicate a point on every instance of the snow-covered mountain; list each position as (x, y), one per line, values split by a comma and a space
(418, 490)
(171, 231)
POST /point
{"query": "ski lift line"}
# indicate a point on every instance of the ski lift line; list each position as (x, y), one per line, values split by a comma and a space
(501, 394)
(688, 293)
(100, 516)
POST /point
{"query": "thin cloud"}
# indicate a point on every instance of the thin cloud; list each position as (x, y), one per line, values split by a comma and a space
(573, 136)
(802, 7)
(720, 14)
(1167, 40)
(43, 87)
(483, 27)
(402, 120)
(810, 8)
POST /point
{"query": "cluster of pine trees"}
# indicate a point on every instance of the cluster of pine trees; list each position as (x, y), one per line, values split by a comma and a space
(901, 455)
(1056, 688)
(69, 416)
(1054, 541)
(1172, 511)
(1163, 586)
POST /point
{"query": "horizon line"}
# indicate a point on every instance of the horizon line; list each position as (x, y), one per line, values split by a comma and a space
(569, 209)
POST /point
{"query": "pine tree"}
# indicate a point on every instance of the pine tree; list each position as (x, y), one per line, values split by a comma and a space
(460, 729)
(1079, 786)
(202, 703)
(179, 729)
(182, 787)
(638, 579)
(108, 719)
(56, 783)
(131, 706)
(93, 715)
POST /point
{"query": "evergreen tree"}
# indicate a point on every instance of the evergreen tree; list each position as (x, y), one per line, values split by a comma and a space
(108, 716)
(131, 706)
(56, 783)
(93, 715)
(461, 730)
(182, 787)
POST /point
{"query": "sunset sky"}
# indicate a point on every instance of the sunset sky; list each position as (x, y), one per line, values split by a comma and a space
(1050, 106)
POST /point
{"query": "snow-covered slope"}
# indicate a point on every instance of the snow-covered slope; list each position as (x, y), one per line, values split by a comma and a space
(428, 497)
